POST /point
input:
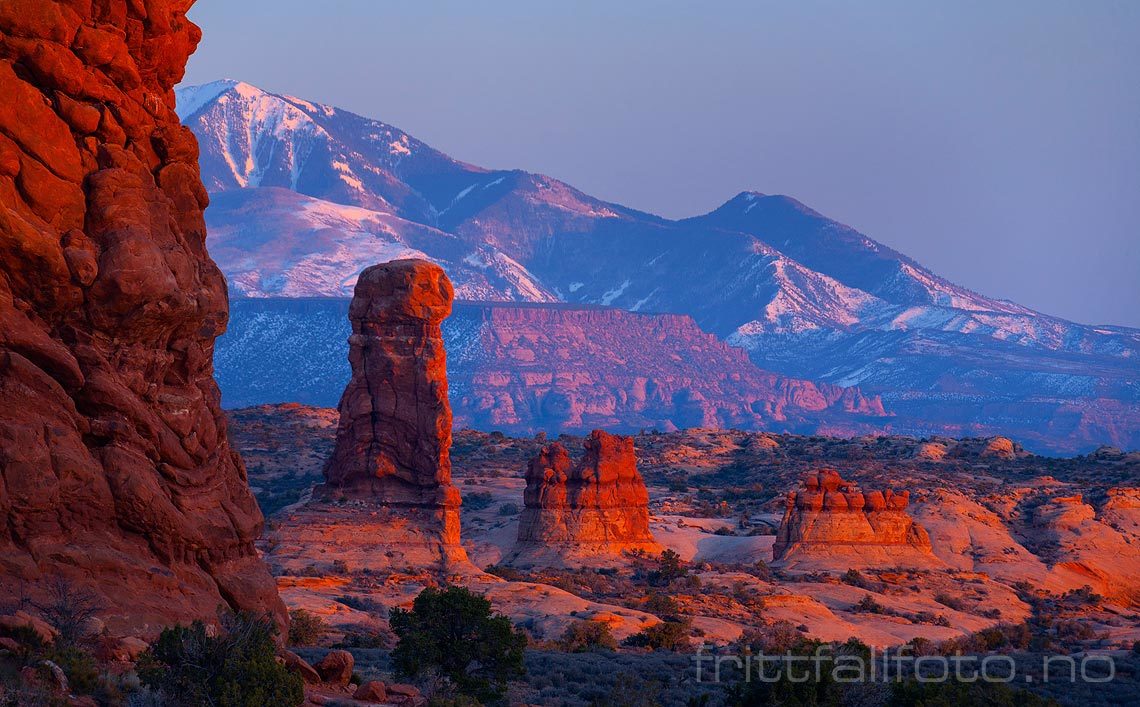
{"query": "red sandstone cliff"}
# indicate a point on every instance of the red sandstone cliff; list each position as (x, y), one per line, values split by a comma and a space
(597, 508)
(117, 473)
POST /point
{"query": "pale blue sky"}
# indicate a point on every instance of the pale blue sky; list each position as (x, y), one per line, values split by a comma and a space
(995, 142)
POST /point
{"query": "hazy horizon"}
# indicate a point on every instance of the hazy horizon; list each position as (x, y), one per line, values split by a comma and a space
(997, 145)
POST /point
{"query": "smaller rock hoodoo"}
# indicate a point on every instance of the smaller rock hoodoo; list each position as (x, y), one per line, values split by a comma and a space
(589, 511)
(831, 521)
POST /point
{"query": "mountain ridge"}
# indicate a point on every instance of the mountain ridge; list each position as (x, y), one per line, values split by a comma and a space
(807, 296)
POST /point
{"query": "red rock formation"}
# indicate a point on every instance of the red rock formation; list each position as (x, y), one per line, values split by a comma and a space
(391, 458)
(831, 524)
(593, 510)
(394, 435)
(116, 470)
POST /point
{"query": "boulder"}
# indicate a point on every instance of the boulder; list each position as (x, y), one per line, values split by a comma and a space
(22, 619)
(336, 667)
(372, 691)
(298, 665)
(130, 648)
(405, 695)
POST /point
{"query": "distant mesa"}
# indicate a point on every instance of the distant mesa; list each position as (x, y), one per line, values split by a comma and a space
(829, 523)
(388, 497)
(580, 513)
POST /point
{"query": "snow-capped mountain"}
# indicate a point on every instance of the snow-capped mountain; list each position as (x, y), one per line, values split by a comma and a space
(306, 195)
(274, 242)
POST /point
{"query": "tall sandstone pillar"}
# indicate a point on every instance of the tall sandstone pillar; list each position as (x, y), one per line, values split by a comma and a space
(117, 474)
(387, 500)
(393, 443)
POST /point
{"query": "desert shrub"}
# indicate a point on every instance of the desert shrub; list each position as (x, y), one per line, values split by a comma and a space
(667, 635)
(79, 666)
(775, 638)
(478, 501)
(367, 639)
(761, 571)
(508, 573)
(854, 577)
(305, 628)
(724, 530)
(632, 691)
(777, 686)
(662, 604)
(453, 632)
(69, 610)
(868, 605)
(587, 636)
(509, 509)
(909, 693)
(669, 567)
(366, 604)
(951, 601)
(236, 668)
(678, 483)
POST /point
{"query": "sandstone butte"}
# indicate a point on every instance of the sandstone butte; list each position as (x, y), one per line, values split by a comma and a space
(387, 499)
(117, 474)
(830, 524)
(580, 513)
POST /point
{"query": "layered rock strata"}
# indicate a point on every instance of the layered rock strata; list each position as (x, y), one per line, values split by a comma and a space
(590, 511)
(116, 475)
(831, 524)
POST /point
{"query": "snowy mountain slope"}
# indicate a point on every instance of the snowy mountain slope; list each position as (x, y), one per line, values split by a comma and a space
(274, 242)
(843, 253)
(806, 295)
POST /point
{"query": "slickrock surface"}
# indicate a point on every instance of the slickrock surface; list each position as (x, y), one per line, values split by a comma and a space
(592, 510)
(388, 497)
(116, 469)
(830, 522)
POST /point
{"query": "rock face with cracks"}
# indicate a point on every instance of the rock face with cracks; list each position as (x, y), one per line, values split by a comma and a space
(117, 475)
(584, 512)
(831, 524)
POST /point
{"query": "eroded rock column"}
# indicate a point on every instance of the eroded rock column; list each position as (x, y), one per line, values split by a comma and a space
(387, 501)
(829, 523)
